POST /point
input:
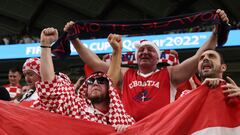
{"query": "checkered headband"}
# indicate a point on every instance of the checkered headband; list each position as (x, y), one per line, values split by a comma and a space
(32, 64)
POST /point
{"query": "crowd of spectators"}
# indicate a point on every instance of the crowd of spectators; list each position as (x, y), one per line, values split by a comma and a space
(15, 39)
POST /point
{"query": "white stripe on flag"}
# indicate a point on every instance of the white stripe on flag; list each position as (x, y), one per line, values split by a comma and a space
(218, 131)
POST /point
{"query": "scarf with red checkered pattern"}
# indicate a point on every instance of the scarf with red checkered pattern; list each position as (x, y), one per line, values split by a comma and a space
(116, 114)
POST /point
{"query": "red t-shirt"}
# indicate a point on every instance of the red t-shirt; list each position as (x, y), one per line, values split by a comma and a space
(144, 95)
(186, 86)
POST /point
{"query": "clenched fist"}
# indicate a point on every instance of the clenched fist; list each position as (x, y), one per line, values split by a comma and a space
(115, 41)
(48, 36)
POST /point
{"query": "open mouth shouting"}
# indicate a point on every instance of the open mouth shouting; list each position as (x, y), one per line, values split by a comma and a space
(206, 66)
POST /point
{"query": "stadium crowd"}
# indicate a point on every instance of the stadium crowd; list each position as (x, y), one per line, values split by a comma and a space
(114, 95)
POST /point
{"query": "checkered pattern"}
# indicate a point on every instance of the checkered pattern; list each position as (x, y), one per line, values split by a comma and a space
(165, 57)
(58, 96)
(14, 91)
(32, 64)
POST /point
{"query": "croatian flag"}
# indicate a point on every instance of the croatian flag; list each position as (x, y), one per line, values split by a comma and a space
(202, 112)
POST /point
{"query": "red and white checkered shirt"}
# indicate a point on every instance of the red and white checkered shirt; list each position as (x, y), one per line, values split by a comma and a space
(14, 91)
(58, 96)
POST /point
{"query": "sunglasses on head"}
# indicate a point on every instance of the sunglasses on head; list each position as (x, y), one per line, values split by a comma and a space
(100, 80)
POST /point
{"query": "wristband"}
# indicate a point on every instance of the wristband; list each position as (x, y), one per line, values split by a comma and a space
(45, 46)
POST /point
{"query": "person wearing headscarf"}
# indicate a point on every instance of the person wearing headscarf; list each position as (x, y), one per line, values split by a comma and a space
(31, 71)
(97, 100)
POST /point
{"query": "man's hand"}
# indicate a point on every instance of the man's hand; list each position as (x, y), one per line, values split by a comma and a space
(231, 88)
(69, 29)
(68, 26)
(115, 41)
(121, 128)
(224, 18)
(212, 82)
(222, 15)
(79, 83)
(48, 36)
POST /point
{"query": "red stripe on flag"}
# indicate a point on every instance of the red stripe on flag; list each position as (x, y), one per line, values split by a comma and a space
(201, 109)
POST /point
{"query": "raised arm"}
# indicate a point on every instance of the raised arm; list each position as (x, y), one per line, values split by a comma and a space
(88, 57)
(114, 71)
(187, 68)
(48, 36)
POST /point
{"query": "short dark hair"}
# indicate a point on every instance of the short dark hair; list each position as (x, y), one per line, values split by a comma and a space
(15, 69)
(221, 57)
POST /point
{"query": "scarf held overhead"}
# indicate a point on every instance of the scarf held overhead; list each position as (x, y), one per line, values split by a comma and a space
(98, 29)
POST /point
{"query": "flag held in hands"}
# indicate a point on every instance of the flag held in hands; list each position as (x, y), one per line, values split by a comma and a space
(202, 112)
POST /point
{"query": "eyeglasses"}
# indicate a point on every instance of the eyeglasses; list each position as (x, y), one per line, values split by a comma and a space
(100, 80)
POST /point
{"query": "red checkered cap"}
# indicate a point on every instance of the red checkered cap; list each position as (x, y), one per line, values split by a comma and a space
(141, 43)
(32, 64)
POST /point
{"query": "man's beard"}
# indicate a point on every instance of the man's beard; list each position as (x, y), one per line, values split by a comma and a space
(209, 74)
(99, 99)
